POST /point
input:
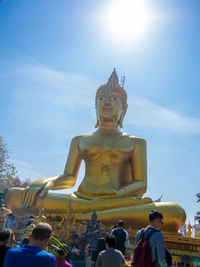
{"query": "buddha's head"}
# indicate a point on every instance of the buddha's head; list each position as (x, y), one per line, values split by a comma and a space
(111, 102)
(94, 216)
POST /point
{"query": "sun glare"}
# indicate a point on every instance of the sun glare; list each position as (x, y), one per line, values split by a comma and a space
(127, 20)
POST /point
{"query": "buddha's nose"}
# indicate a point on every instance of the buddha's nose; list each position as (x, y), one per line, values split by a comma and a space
(107, 104)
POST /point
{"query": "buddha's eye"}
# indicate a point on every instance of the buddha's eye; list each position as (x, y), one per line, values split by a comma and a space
(114, 98)
(101, 98)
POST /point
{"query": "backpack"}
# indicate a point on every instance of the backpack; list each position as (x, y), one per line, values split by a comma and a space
(168, 257)
(142, 253)
(120, 237)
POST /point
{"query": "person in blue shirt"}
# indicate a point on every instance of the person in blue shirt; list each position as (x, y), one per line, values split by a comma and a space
(156, 240)
(5, 235)
(34, 254)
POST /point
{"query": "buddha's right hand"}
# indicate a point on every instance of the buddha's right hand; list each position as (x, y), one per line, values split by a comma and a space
(37, 188)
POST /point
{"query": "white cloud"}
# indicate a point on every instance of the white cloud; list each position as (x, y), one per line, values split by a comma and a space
(56, 87)
(144, 113)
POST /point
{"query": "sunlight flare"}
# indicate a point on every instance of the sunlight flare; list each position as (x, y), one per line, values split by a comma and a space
(128, 20)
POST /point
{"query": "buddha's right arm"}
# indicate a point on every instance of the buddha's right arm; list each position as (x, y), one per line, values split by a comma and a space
(67, 180)
(63, 182)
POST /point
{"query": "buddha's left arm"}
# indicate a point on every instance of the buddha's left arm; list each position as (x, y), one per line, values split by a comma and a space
(139, 170)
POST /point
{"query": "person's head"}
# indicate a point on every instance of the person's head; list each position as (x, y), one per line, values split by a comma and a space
(120, 224)
(94, 216)
(31, 217)
(5, 235)
(155, 219)
(110, 241)
(41, 235)
(31, 221)
(101, 244)
(111, 103)
(62, 252)
(11, 216)
(115, 226)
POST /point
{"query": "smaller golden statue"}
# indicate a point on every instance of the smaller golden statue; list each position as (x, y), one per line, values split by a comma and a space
(189, 230)
(115, 173)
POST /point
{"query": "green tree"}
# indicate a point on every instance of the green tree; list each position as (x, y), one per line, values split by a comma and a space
(197, 217)
(8, 177)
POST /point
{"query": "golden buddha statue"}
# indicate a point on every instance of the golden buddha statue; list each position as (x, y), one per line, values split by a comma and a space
(189, 230)
(115, 173)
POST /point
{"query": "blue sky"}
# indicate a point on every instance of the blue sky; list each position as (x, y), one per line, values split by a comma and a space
(55, 54)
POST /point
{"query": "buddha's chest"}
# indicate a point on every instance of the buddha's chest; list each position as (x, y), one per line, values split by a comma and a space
(107, 150)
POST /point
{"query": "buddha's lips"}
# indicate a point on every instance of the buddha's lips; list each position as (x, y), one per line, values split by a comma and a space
(107, 109)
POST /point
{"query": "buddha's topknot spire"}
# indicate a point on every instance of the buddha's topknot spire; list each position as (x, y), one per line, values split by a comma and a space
(113, 78)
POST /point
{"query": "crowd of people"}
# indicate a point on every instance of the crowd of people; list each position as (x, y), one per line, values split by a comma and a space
(110, 251)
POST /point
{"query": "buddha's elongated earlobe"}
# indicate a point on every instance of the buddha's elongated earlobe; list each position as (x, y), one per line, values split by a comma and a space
(120, 122)
(97, 124)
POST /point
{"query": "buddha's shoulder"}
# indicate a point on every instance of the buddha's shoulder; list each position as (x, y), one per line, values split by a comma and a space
(125, 137)
(133, 139)
(78, 138)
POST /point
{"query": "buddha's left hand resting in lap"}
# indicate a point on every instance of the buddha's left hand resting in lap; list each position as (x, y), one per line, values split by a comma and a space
(115, 173)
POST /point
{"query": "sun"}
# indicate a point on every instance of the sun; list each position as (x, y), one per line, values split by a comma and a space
(127, 20)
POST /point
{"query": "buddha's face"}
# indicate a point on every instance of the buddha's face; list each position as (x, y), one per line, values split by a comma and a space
(109, 106)
(93, 217)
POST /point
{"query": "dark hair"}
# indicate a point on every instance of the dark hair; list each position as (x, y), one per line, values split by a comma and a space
(11, 215)
(31, 217)
(62, 252)
(120, 223)
(101, 245)
(110, 240)
(5, 234)
(42, 231)
(154, 214)
(114, 226)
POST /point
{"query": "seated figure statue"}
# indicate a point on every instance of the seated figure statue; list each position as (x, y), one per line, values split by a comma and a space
(93, 226)
(115, 173)
(92, 232)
